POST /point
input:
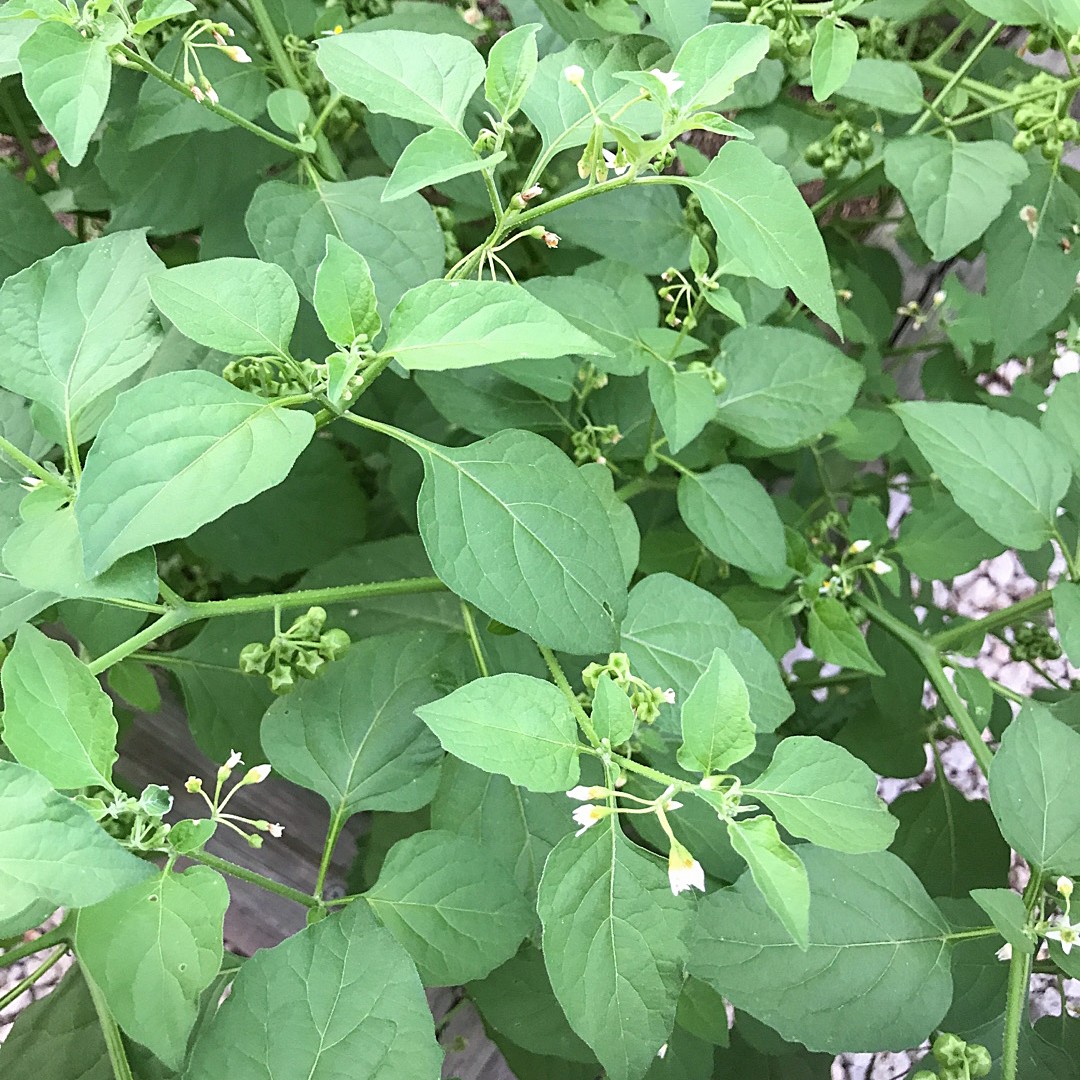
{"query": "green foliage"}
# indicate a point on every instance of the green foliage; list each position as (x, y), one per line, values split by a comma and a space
(523, 434)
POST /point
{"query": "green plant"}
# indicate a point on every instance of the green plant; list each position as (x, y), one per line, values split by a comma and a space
(641, 431)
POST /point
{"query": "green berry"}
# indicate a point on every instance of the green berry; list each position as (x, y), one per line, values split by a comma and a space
(863, 146)
(1023, 141)
(1038, 42)
(800, 43)
(1052, 149)
(253, 659)
(815, 154)
(979, 1062)
(833, 165)
(333, 643)
(1027, 117)
(950, 1050)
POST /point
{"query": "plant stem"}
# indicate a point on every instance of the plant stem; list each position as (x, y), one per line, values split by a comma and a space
(652, 774)
(337, 820)
(1016, 995)
(844, 678)
(114, 1042)
(241, 873)
(26, 140)
(24, 461)
(951, 636)
(958, 31)
(234, 118)
(974, 86)
(47, 940)
(970, 60)
(561, 682)
(474, 639)
(171, 620)
(24, 984)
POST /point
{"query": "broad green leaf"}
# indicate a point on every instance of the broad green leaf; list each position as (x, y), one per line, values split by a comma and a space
(835, 638)
(28, 231)
(623, 522)
(52, 850)
(427, 78)
(733, 516)
(66, 78)
(821, 793)
(612, 714)
(685, 402)
(938, 540)
(340, 998)
(953, 190)
(519, 826)
(152, 950)
(889, 85)
(432, 158)
(459, 324)
(57, 719)
(511, 724)
(176, 452)
(344, 294)
(676, 20)
(765, 224)
(527, 500)
(18, 603)
(613, 946)
(875, 975)
(511, 66)
(1067, 619)
(79, 322)
(1000, 469)
(778, 872)
(238, 306)
(1035, 790)
(401, 241)
(835, 50)
(670, 632)
(13, 32)
(451, 905)
(1061, 420)
(351, 734)
(784, 387)
(1008, 914)
(154, 12)
(716, 727)
(714, 59)
(289, 109)
(1063, 13)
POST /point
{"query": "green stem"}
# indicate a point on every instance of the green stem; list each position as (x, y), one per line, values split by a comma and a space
(26, 140)
(653, 774)
(951, 636)
(967, 935)
(845, 678)
(241, 873)
(1016, 994)
(24, 461)
(291, 77)
(559, 676)
(171, 620)
(114, 1042)
(56, 936)
(234, 118)
(332, 835)
(474, 639)
(681, 469)
(973, 86)
(958, 31)
(1015, 103)
(970, 61)
(73, 450)
(24, 984)
(1066, 551)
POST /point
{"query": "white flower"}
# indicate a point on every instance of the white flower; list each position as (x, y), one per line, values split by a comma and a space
(1005, 952)
(338, 29)
(237, 54)
(1065, 886)
(234, 759)
(610, 159)
(858, 547)
(1065, 933)
(939, 298)
(574, 74)
(211, 94)
(669, 696)
(662, 1052)
(256, 775)
(588, 815)
(822, 590)
(551, 239)
(684, 871)
(881, 567)
(198, 95)
(532, 193)
(584, 794)
(30, 482)
(670, 79)
(275, 830)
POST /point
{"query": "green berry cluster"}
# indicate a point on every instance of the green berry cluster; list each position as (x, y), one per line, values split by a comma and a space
(1040, 39)
(369, 9)
(879, 39)
(300, 650)
(269, 378)
(818, 531)
(1042, 123)
(645, 700)
(957, 1060)
(1033, 642)
(587, 442)
(844, 142)
(789, 40)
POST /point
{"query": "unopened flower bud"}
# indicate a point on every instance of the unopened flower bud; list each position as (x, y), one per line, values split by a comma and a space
(236, 54)
(1065, 886)
(551, 239)
(574, 74)
(881, 567)
(198, 95)
(584, 793)
(256, 775)
(532, 193)
(858, 547)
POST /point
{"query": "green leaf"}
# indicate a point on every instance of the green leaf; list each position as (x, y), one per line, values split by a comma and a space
(670, 631)
(451, 905)
(511, 66)
(835, 50)
(821, 793)
(339, 998)
(401, 241)
(1000, 469)
(152, 950)
(1067, 619)
(52, 850)
(953, 190)
(434, 157)
(552, 532)
(28, 231)
(766, 225)
(1063, 13)
(510, 724)
(612, 714)
(460, 324)
(938, 540)
(351, 734)
(784, 387)
(733, 516)
(238, 306)
(835, 638)
(676, 20)
(889, 85)
(623, 522)
(57, 719)
(66, 78)
(685, 402)
(1008, 914)
(344, 294)
(877, 947)
(714, 59)
(154, 12)
(1035, 790)
(289, 109)
(1061, 420)
(716, 727)
(176, 452)
(778, 872)
(613, 946)
(79, 322)
(427, 78)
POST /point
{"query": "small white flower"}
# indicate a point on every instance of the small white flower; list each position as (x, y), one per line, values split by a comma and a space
(275, 830)
(858, 547)
(574, 74)
(28, 483)
(218, 38)
(669, 696)
(1005, 952)
(670, 79)
(198, 95)
(662, 1052)
(684, 871)
(601, 460)
(880, 567)
(212, 95)
(234, 759)
(236, 54)
(939, 298)
(823, 589)
(583, 793)
(1065, 886)
(473, 16)
(551, 239)
(532, 193)
(610, 159)
(588, 815)
(1065, 933)
(338, 29)
(256, 774)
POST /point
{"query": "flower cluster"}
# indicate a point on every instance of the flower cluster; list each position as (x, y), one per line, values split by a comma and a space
(302, 649)
(216, 805)
(645, 700)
